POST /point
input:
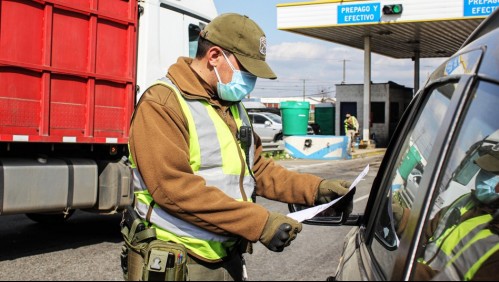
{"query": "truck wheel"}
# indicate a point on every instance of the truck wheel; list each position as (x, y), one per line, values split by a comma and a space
(50, 218)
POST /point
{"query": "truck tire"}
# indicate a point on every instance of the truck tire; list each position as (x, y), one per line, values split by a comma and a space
(50, 218)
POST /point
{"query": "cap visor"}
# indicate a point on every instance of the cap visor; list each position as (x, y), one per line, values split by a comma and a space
(256, 67)
(488, 162)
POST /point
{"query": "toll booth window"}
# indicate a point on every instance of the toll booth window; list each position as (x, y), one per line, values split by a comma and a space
(405, 177)
(194, 31)
(461, 222)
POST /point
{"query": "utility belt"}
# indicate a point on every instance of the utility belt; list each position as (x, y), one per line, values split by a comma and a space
(144, 257)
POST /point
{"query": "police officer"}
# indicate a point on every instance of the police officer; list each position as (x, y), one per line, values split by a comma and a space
(463, 241)
(193, 180)
(351, 129)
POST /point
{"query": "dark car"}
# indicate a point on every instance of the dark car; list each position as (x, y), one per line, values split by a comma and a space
(429, 166)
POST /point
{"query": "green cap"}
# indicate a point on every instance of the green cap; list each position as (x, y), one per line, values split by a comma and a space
(489, 161)
(242, 37)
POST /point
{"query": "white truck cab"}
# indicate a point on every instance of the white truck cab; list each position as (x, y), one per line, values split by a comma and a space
(168, 29)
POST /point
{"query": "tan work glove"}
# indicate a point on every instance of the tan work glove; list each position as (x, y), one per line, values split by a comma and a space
(398, 213)
(330, 190)
(279, 231)
(400, 216)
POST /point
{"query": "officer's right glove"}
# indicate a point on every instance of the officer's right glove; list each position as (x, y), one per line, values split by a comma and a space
(279, 231)
(331, 189)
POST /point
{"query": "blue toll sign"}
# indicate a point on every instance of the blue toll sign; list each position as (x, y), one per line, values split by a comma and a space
(477, 8)
(359, 13)
(452, 65)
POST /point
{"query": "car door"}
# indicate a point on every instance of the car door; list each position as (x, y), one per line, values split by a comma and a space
(453, 190)
(263, 127)
(385, 245)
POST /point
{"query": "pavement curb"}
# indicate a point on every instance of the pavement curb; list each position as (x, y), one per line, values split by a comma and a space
(368, 153)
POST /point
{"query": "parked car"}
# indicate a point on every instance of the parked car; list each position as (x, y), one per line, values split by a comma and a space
(267, 125)
(449, 123)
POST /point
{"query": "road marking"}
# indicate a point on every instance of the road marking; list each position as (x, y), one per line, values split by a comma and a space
(361, 198)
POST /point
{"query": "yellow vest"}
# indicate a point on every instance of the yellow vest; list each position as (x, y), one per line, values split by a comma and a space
(458, 249)
(213, 159)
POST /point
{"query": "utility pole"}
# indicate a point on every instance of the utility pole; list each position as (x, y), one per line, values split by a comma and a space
(344, 71)
(304, 90)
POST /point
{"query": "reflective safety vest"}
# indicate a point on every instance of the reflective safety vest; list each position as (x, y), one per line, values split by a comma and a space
(466, 263)
(213, 155)
(460, 248)
(351, 123)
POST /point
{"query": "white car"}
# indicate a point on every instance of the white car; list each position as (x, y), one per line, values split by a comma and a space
(267, 125)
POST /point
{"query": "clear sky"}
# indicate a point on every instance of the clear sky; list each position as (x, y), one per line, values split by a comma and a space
(302, 62)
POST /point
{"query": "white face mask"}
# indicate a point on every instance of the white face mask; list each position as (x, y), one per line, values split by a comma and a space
(240, 86)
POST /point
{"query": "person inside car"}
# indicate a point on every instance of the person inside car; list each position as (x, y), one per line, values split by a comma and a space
(462, 240)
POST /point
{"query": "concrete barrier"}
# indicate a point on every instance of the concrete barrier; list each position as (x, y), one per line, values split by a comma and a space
(317, 147)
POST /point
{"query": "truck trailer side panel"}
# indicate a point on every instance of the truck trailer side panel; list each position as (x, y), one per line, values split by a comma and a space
(67, 70)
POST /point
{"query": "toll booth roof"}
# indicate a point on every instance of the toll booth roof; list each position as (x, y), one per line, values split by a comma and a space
(398, 29)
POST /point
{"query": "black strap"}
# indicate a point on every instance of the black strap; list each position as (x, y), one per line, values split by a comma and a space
(2, 184)
(149, 212)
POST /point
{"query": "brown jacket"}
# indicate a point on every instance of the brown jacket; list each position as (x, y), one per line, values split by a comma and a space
(159, 144)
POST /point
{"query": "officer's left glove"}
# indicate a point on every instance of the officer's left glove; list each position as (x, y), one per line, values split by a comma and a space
(401, 217)
(330, 190)
(279, 231)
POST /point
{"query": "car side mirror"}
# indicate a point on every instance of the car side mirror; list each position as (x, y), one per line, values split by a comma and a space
(417, 179)
(268, 123)
(328, 217)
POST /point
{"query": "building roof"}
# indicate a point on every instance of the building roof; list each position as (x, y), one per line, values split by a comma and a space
(432, 28)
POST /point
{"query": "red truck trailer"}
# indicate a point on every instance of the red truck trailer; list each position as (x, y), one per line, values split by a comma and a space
(68, 86)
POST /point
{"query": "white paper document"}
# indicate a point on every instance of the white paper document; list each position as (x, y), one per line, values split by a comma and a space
(311, 212)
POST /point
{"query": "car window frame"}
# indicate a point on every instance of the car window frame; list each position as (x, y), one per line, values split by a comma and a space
(423, 202)
(377, 194)
(408, 242)
(450, 142)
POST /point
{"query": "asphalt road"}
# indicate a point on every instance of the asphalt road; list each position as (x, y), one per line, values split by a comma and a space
(87, 247)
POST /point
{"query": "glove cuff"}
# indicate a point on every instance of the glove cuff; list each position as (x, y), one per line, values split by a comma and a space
(318, 191)
(267, 231)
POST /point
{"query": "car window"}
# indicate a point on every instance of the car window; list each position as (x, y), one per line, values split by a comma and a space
(409, 168)
(461, 210)
(274, 117)
(258, 119)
